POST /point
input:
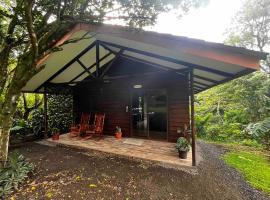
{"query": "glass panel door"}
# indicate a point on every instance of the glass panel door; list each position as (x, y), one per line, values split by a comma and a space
(157, 114)
(139, 114)
(149, 113)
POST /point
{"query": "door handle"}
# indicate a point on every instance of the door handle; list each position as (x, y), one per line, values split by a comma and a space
(150, 113)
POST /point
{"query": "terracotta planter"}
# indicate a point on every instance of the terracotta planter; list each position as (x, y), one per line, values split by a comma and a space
(55, 136)
(118, 135)
(182, 154)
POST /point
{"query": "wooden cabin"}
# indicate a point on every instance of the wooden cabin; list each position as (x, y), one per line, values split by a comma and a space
(154, 106)
(143, 81)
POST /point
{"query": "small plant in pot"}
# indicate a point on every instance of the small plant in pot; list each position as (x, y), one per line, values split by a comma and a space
(183, 147)
(118, 133)
(55, 135)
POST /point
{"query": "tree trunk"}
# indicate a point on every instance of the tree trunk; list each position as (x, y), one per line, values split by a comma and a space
(28, 110)
(6, 113)
(4, 141)
(26, 113)
(5, 125)
(3, 68)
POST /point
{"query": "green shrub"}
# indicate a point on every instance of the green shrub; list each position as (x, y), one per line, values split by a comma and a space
(233, 130)
(236, 116)
(37, 121)
(60, 112)
(16, 129)
(226, 132)
(215, 132)
(182, 144)
(201, 123)
(20, 127)
(250, 143)
(260, 131)
(14, 173)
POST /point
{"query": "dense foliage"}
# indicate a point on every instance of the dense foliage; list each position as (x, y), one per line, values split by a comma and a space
(260, 130)
(14, 173)
(28, 120)
(223, 112)
(60, 116)
(37, 122)
(60, 112)
(239, 111)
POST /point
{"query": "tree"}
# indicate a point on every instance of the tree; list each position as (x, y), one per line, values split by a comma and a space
(30, 28)
(245, 100)
(26, 104)
(251, 27)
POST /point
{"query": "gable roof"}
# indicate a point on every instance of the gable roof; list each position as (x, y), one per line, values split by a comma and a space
(213, 63)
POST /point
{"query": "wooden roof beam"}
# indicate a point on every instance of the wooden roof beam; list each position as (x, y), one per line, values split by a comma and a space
(67, 65)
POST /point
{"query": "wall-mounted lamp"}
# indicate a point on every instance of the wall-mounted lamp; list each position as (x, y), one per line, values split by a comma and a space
(137, 86)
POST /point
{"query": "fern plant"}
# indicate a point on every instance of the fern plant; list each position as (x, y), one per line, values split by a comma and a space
(260, 130)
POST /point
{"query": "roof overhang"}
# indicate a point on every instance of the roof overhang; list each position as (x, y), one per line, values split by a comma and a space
(98, 46)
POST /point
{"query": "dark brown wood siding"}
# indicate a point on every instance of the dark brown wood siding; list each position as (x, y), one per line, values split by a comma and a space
(178, 109)
(112, 99)
(113, 103)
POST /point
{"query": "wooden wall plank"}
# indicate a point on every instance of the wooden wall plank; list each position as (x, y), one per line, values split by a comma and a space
(112, 99)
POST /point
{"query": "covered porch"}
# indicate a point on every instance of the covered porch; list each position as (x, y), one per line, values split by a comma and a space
(143, 82)
(158, 152)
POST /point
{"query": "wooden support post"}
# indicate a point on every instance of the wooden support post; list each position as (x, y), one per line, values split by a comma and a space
(45, 115)
(97, 59)
(192, 121)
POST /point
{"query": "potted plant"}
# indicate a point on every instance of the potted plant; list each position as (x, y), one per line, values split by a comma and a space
(55, 135)
(183, 146)
(118, 133)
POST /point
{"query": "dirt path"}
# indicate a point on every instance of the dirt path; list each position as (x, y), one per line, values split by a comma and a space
(64, 173)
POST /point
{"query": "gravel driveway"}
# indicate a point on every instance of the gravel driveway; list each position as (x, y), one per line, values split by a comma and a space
(65, 173)
(227, 175)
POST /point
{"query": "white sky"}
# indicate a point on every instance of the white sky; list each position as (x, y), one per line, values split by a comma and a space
(208, 23)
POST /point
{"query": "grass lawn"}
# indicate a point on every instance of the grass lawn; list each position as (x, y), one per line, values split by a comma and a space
(253, 165)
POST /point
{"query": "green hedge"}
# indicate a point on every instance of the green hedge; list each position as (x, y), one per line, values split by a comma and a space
(60, 114)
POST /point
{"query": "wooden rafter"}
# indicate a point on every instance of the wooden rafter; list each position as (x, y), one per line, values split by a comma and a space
(85, 68)
(111, 63)
(97, 59)
(89, 68)
(67, 65)
(200, 83)
(241, 73)
(205, 79)
(199, 89)
(134, 75)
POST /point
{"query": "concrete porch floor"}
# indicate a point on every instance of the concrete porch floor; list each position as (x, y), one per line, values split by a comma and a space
(162, 153)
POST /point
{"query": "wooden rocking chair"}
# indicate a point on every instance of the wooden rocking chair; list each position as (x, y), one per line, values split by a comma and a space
(76, 130)
(96, 128)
